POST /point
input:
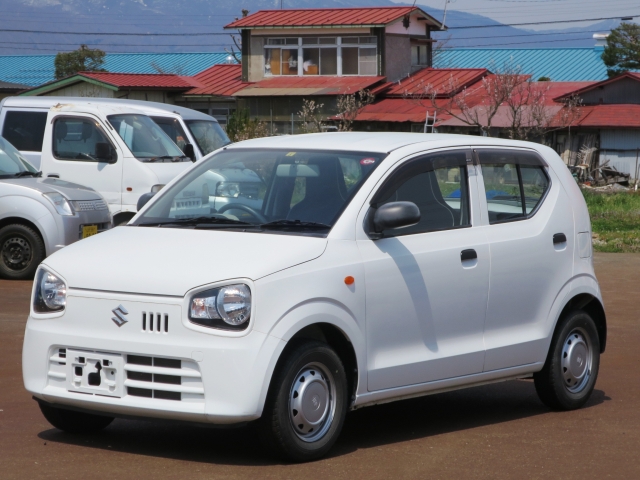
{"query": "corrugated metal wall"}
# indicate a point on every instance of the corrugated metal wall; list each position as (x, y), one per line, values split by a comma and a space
(619, 147)
(622, 91)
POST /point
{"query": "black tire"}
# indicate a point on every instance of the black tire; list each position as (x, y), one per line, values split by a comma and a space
(325, 380)
(74, 422)
(560, 384)
(21, 251)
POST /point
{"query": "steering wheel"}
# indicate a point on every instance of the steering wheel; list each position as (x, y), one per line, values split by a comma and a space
(241, 206)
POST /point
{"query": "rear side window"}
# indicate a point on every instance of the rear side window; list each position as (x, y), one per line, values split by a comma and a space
(515, 183)
(173, 129)
(25, 130)
(81, 139)
(438, 185)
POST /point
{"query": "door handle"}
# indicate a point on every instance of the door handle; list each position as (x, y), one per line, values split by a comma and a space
(559, 238)
(469, 254)
(53, 175)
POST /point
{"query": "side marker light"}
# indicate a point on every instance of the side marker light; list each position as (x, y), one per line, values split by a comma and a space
(349, 280)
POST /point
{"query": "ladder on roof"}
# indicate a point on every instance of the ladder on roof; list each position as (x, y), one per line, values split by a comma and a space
(433, 122)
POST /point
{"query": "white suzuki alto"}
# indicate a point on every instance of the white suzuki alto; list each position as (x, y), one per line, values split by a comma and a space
(367, 267)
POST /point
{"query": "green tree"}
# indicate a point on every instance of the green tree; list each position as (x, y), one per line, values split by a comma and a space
(84, 59)
(622, 52)
(241, 127)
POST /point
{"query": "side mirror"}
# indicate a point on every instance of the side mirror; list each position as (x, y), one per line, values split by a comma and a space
(105, 153)
(395, 215)
(144, 199)
(189, 151)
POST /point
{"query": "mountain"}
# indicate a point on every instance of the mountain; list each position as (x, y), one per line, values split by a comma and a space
(196, 25)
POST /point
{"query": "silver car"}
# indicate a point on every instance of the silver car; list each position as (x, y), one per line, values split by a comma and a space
(39, 216)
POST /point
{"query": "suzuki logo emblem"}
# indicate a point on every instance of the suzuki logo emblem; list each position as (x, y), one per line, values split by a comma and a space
(120, 313)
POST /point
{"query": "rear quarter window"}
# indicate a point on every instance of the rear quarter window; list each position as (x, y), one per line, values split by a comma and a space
(25, 130)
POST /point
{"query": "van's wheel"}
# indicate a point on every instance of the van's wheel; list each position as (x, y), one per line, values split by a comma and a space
(21, 251)
(571, 369)
(74, 422)
(307, 403)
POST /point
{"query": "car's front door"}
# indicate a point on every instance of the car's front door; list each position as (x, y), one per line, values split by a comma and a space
(427, 284)
(83, 153)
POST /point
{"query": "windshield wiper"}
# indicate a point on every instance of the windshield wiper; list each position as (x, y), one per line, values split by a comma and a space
(198, 222)
(173, 158)
(27, 173)
(294, 223)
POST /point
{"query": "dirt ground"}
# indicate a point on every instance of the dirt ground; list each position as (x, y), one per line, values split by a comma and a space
(494, 431)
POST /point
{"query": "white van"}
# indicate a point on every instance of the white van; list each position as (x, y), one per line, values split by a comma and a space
(116, 150)
(22, 121)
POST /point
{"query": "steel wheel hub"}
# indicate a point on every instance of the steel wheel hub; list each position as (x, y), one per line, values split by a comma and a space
(16, 253)
(312, 402)
(576, 360)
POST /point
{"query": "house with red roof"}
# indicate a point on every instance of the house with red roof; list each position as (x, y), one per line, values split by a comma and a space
(295, 54)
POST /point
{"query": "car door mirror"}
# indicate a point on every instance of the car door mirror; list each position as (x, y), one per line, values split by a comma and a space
(395, 215)
(105, 153)
(189, 151)
(144, 199)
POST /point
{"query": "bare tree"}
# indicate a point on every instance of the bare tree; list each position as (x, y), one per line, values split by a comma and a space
(312, 120)
(175, 69)
(350, 105)
(236, 49)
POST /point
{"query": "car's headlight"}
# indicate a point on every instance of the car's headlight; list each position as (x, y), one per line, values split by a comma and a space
(227, 307)
(61, 204)
(51, 293)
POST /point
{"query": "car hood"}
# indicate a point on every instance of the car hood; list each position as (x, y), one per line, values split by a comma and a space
(171, 261)
(72, 191)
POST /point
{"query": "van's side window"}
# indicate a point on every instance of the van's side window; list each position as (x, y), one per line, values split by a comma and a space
(173, 129)
(81, 139)
(25, 130)
(515, 183)
(438, 185)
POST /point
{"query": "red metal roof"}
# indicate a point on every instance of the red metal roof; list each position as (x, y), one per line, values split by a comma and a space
(609, 116)
(397, 110)
(312, 85)
(446, 81)
(592, 85)
(322, 17)
(219, 80)
(143, 80)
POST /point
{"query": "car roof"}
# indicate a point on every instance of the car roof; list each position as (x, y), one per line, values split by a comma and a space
(382, 142)
(149, 108)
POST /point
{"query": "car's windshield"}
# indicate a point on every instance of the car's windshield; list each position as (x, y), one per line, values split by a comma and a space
(209, 135)
(11, 162)
(266, 190)
(145, 138)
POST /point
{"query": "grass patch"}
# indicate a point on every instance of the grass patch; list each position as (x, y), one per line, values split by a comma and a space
(615, 220)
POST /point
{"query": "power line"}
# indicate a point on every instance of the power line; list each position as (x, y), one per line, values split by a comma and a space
(544, 23)
(118, 34)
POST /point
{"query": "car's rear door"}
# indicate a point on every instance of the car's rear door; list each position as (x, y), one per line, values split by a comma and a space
(427, 284)
(531, 235)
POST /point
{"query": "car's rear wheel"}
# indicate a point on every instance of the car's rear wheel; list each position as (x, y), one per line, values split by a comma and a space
(21, 251)
(74, 422)
(569, 374)
(307, 403)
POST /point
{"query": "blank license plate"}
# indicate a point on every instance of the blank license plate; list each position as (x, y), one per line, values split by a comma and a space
(88, 230)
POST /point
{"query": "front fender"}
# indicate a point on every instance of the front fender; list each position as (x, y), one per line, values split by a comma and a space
(35, 212)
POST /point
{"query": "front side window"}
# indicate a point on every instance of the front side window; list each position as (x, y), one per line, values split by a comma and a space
(515, 183)
(173, 129)
(265, 190)
(438, 185)
(81, 139)
(145, 139)
(209, 135)
(25, 130)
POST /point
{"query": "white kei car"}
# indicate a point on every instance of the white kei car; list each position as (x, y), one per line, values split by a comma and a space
(360, 276)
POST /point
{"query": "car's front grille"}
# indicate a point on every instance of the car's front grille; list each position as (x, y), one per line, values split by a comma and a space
(88, 205)
(163, 378)
(155, 322)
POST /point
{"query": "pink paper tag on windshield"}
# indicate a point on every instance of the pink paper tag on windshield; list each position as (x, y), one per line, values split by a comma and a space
(367, 161)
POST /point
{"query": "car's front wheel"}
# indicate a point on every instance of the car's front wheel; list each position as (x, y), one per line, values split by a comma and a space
(74, 422)
(569, 374)
(21, 251)
(307, 403)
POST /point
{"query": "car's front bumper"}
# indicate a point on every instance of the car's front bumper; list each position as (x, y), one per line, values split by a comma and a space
(213, 378)
(71, 226)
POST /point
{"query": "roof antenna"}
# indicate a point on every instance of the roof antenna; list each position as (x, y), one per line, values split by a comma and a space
(444, 18)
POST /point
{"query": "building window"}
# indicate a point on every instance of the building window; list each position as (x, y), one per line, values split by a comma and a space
(419, 55)
(321, 56)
